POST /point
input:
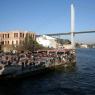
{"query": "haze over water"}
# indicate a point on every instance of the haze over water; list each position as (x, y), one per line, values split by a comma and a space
(77, 80)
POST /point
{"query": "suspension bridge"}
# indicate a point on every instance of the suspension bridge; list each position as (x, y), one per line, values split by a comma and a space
(69, 33)
(72, 33)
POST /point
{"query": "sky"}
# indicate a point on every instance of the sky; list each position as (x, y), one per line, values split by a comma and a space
(47, 16)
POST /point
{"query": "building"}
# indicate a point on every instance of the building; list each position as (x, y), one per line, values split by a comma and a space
(47, 41)
(84, 46)
(14, 38)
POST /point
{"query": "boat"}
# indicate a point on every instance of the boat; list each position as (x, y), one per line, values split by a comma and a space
(40, 61)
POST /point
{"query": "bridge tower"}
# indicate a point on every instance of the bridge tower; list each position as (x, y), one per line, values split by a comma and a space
(72, 26)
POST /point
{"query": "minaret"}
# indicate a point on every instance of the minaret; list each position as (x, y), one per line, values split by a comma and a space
(72, 26)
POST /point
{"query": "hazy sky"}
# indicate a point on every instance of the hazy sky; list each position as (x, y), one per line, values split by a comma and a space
(46, 16)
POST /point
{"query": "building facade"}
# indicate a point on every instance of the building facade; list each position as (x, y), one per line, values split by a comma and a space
(14, 37)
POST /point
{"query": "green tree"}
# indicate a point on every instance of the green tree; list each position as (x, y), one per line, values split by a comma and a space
(30, 44)
(63, 41)
(77, 45)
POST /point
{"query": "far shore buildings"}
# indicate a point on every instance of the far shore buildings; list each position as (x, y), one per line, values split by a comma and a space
(14, 38)
(84, 46)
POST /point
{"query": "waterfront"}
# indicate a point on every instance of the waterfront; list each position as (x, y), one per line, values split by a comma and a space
(77, 80)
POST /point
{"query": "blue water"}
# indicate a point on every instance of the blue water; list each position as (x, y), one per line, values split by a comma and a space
(75, 80)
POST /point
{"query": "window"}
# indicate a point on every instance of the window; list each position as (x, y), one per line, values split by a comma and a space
(12, 42)
(20, 42)
(15, 35)
(22, 35)
(8, 42)
(16, 42)
(6, 35)
(3, 35)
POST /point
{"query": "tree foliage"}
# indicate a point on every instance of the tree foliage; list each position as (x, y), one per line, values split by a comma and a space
(63, 41)
(30, 44)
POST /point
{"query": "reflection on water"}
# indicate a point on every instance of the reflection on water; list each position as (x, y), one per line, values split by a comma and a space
(78, 79)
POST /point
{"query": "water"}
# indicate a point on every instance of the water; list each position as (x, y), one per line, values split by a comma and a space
(76, 80)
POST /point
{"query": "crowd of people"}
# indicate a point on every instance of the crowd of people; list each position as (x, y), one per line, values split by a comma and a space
(13, 64)
(36, 58)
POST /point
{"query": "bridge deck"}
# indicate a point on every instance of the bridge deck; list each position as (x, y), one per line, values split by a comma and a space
(68, 33)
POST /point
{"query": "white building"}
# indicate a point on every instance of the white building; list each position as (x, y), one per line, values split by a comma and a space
(47, 41)
(84, 46)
